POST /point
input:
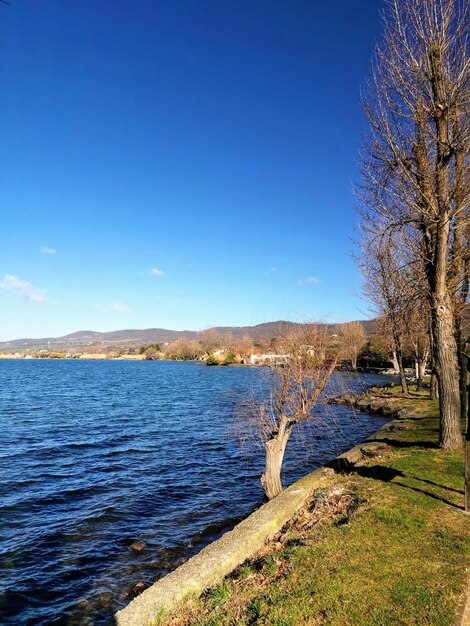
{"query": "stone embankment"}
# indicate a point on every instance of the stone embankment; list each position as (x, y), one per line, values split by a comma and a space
(221, 557)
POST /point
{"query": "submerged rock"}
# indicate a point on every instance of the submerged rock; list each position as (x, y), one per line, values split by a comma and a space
(363, 404)
(137, 589)
(137, 546)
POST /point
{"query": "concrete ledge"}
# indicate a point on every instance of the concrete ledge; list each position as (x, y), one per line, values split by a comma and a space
(213, 563)
(463, 611)
(208, 567)
(352, 456)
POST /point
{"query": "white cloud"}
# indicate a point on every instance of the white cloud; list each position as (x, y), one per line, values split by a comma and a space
(272, 270)
(47, 250)
(119, 307)
(310, 280)
(156, 272)
(23, 288)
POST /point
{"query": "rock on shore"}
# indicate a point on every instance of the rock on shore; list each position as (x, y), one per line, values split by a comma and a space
(373, 402)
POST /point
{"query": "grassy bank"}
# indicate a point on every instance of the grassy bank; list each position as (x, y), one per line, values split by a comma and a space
(386, 543)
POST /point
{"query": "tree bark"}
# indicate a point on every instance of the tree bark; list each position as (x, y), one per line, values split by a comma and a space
(421, 371)
(399, 357)
(464, 359)
(421, 358)
(460, 259)
(467, 431)
(433, 393)
(442, 318)
(467, 471)
(403, 381)
(463, 350)
(433, 383)
(271, 479)
(447, 371)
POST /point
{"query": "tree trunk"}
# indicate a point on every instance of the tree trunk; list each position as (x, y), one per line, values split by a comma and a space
(271, 479)
(399, 358)
(442, 315)
(420, 363)
(433, 389)
(467, 436)
(403, 381)
(433, 383)
(464, 359)
(467, 470)
(421, 370)
(447, 371)
(395, 362)
(463, 352)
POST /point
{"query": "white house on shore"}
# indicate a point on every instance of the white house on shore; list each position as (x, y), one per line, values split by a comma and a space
(267, 359)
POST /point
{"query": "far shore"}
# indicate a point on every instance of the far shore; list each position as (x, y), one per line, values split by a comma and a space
(101, 356)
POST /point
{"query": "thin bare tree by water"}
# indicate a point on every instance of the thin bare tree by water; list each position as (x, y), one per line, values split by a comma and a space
(353, 339)
(295, 387)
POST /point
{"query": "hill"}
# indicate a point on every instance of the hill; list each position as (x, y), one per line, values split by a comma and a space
(132, 337)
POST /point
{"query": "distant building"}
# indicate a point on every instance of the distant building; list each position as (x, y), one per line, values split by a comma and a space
(267, 359)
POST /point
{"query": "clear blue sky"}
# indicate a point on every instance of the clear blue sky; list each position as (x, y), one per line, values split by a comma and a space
(179, 163)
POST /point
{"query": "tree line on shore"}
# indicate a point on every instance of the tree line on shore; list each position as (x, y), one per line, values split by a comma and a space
(414, 194)
(414, 233)
(355, 346)
(349, 340)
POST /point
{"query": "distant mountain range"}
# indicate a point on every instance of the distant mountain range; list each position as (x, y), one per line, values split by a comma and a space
(131, 337)
(134, 337)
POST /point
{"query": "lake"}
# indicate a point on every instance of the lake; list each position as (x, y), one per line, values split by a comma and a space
(115, 472)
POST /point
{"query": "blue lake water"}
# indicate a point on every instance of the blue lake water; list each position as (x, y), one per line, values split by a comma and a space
(96, 456)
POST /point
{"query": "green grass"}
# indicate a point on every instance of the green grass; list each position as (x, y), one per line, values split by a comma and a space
(391, 550)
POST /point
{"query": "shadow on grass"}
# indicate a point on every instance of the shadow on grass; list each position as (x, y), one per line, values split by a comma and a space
(431, 495)
(397, 443)
(418, 395)
(387, 474)
(423, 480)
(418, 398)
(376, 472)
(412, 418)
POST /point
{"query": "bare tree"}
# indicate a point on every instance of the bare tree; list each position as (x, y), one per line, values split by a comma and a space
(295, 387)
(244, 347)
(387, 282)
(418, 335)
(210, 340)
(420, 348)
(151, 353)
(184, 349)
(353, 339)
(415, 164)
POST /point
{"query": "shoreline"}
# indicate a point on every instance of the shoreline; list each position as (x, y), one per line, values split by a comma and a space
(220, 557)
(408, 435)
(137, 357)
(101, 430)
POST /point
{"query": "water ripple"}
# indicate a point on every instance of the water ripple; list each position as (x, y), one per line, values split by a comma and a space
(116, 472)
